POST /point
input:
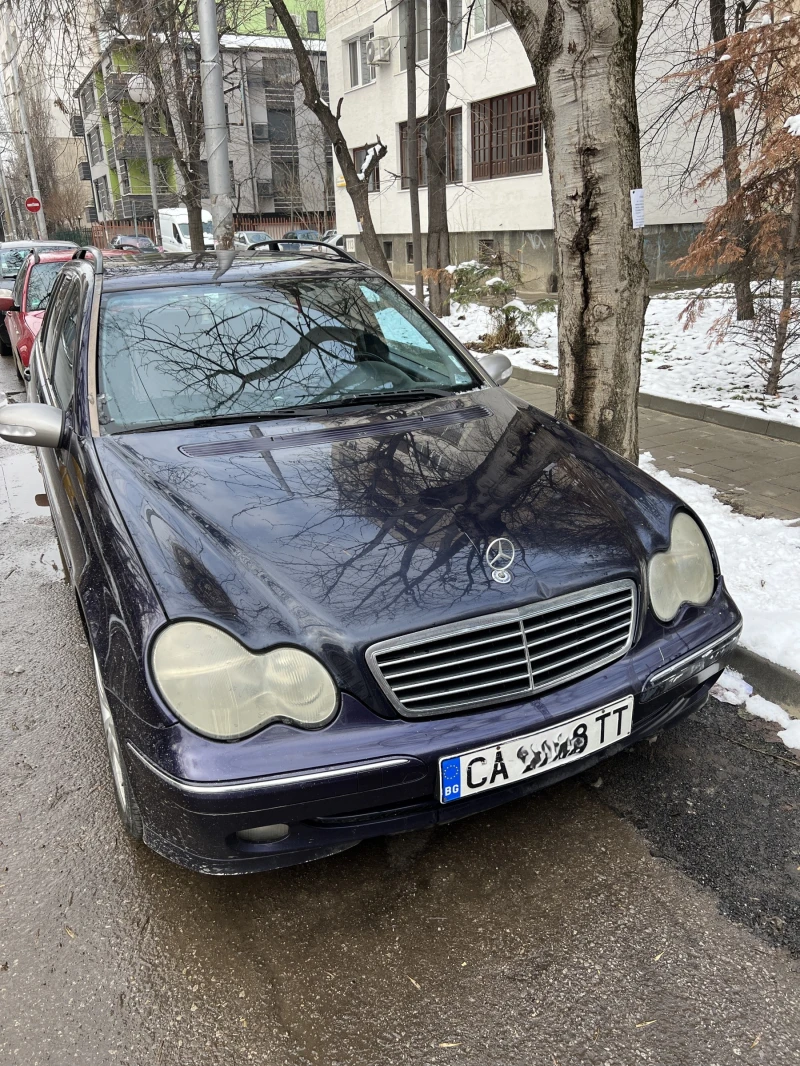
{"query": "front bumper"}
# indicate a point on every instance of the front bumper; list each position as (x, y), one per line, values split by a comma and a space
(381, 776)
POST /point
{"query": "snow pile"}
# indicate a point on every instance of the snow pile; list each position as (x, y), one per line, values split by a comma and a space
(760, 560)
(681, 364)
(371, 152)
(732, 688)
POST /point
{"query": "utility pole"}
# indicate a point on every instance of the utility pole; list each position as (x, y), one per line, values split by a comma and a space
(19, 90)
(219, 174)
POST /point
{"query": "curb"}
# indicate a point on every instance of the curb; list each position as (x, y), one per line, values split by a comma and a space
(763, 427)
(773, 682)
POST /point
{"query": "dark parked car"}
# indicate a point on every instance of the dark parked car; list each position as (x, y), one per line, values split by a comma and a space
(337, 582)
(12, 255)
(301, 235)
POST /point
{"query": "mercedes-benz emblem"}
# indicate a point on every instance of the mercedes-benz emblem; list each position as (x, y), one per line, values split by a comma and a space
(500, 555)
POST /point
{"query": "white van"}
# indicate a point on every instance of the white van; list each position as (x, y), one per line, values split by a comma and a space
(174, 222)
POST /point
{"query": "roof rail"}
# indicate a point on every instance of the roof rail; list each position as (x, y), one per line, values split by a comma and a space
(89, 249)
(273, 245)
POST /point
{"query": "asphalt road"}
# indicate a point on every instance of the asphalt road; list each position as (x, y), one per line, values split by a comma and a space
(647, 914)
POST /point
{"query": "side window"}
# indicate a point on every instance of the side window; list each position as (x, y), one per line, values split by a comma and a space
(19, 286)
(66, 343)
(176, 233)
(51, 323)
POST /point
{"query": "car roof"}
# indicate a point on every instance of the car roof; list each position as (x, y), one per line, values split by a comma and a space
(37, 244)
(165, 269)
(54, 257)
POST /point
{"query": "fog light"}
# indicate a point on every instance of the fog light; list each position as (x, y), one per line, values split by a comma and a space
(264, 834)
(676, 673)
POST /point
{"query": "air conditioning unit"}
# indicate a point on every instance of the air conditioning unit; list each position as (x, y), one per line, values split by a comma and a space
(260, 131)
(379, 50)
(84, 171)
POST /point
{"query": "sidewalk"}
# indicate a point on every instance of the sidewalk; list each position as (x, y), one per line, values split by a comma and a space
(756, 475)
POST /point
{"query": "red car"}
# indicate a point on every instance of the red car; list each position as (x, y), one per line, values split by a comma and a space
(29, 299)
(31, 292)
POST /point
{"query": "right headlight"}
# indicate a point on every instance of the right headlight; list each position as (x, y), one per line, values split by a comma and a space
(684, 573)
(222, 690)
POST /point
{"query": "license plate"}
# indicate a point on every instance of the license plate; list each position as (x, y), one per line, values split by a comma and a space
(526, 756)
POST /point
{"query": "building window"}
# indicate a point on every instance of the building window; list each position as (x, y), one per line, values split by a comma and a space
(312, 22)
(454, 151)
(387, 250)
(409, 251)
(278, 71)
(322, 78)
(272, 19)
(124, 177)
(280, 123)
(506, 136)
(485, 16)
(361, 73)
(422, 31)
(359, 158)
(455, 17)
(87, 98)
(95, 145)
(103, 197)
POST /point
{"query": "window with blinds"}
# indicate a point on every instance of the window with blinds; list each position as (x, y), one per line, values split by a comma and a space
(506, 136)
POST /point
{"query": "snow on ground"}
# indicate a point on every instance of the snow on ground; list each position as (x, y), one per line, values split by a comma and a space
(682, 364)
(732, 688)
(760, 559)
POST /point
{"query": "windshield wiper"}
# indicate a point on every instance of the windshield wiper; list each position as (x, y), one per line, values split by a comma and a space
(367, 399)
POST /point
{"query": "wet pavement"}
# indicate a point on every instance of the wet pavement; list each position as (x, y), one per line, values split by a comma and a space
(646, 914)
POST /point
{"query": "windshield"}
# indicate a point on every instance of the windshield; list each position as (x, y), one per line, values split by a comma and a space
(40, 284)
(253, 237)
(11, 259)
(173, 355)
(208, 228)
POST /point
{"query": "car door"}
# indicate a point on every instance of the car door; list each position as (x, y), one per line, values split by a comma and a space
(15, 317)
(55, 385)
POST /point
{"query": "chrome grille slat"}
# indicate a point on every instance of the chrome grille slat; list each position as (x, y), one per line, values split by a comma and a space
(508, 655)
(523, 662)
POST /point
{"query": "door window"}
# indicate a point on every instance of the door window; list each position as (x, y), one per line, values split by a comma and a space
(66, 344)
(50, 327)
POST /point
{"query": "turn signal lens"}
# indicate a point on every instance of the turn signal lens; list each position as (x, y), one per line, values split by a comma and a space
(222, 690)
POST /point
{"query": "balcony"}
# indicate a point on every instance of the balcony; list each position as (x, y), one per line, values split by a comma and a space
(117, 86)
(131, 146)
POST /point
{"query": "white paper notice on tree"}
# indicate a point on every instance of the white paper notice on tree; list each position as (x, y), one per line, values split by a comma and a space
(637, 208)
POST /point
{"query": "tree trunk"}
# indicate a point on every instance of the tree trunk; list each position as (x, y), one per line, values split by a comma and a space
(438, 256)
(790, 274)
(412, 156)
(740, 271)
(583, 55)
(194, 209)
(356, 186)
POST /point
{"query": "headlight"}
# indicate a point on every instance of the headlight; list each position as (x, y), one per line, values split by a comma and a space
(224, 691)
(684, 573)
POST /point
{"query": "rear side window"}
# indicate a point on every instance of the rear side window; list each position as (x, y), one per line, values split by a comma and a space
(40, 285)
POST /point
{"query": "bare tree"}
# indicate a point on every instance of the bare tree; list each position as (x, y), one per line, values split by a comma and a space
(584, 60)
(356, 181)
(438, 252)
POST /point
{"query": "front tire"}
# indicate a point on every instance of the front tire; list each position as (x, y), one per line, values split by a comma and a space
(127, 807)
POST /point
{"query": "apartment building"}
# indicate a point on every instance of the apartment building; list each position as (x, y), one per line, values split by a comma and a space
(281, 163)
(498, 192)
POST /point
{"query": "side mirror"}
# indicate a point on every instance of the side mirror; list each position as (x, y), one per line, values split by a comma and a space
(6, 300)
(36, 424)
(498, 367)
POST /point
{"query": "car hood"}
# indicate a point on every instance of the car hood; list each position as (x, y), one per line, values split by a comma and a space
(349, 530)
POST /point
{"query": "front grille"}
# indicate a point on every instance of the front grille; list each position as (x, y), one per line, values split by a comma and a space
(505, 656)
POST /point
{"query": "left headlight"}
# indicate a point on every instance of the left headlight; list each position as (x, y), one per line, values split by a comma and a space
(222, 690)
(684, 573)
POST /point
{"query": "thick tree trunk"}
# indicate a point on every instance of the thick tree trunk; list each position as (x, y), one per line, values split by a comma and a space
(790, 274)
(356, 184)
(583, 55)
(194, 209)
(740, 272)
(438, 255)
(412, 164)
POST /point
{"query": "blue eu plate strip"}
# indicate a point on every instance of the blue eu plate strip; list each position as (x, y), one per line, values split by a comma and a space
(451, 779)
